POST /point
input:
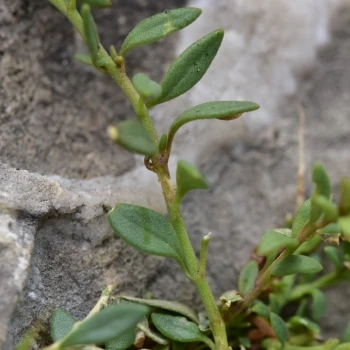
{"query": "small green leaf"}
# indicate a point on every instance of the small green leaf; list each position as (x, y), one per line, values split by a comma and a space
(163, 143)
(273, 241)
(145, 86)
(224, 110)
(247, 277)
(159, 26)
(334, 255)
(144, 327)
(261, 309)
(61, 324)
(323, 188)
(106, 325)
(145, 230)
(279, 327)
(275, 302)
(85, 59)
(329, 210)
(321, 180)
(344, 202)
(132, 136)
(123, 342)
(178, 328)
(301, 218)
(188, 178)
(309, 246)
(296, 264)
(189, 67)
(90, 30)
(98, 3)
(303, 322)
(318, 305)
(173, 306)
(344, 223)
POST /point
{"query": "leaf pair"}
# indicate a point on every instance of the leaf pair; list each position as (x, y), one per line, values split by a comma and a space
(108, 324)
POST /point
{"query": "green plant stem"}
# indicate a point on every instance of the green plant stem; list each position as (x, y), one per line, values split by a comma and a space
(216, 321)
(112, 70)
(323, 282)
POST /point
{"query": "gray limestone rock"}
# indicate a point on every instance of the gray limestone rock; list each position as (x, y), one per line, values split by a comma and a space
(60, 174)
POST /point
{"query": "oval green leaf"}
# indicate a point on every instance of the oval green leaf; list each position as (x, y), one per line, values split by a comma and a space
(261, 309)
(296, 264)
(122, 342)
(85, 59)
(344, 202)
(309, 246)
(224, 110)
(301, 218)
(323, 188)
(173, 306)
(318, 304)
(329, 210)
(333, 254)
(106, 325)
(321, 180)
(189, 67)
(132, 136)
(145, 86)
(159, 26)
(180, 329)
(145, 230)
(273, 241)
(144, 327)
(279, 327)
(90, 31)
(303, 322)
(188, 178)
(62, 323)
(344, 223)
(247, 277)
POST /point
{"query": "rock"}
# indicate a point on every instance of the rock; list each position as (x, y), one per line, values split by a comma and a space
(60, 174)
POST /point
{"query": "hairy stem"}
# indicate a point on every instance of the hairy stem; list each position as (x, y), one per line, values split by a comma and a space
(199, 279)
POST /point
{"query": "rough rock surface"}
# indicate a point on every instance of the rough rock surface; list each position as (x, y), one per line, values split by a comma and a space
(55, 245)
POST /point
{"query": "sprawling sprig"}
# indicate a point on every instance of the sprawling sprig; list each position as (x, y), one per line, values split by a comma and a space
(251, 317)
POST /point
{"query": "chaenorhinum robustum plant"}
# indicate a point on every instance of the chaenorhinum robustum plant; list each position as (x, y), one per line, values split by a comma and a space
(279, 300)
